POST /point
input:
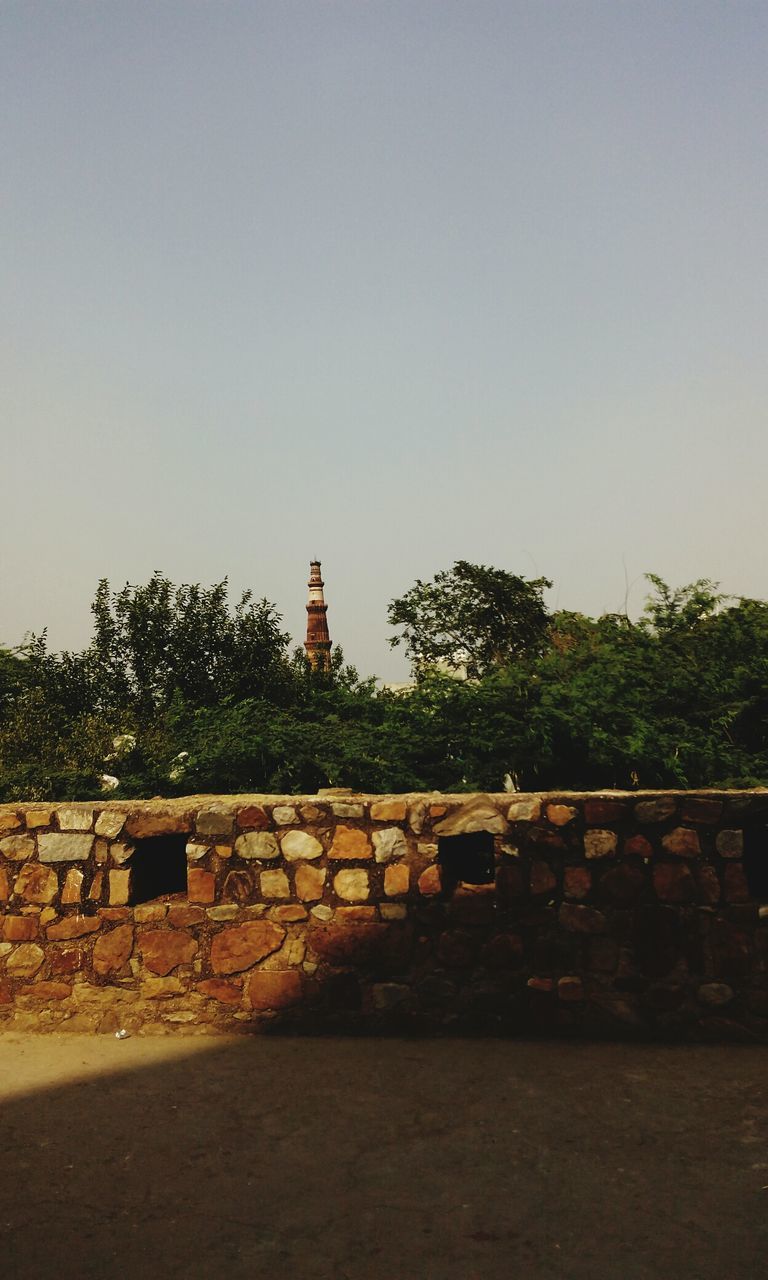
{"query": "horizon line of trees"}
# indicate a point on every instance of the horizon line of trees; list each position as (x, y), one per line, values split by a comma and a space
(180, 690)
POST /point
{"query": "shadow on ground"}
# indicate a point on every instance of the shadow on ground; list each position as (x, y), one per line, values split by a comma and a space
(363, 1159)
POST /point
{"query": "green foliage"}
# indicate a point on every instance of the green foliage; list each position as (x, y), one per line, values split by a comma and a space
(470, 616)
(178, 693)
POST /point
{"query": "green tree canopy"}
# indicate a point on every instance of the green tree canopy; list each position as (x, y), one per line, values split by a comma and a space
(472, 617)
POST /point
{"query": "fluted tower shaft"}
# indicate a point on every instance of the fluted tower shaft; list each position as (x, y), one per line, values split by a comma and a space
(318, 641)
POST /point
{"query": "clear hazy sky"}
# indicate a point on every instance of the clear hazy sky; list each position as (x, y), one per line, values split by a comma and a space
(388, 283)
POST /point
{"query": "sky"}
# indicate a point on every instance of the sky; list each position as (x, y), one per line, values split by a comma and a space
(390, 283)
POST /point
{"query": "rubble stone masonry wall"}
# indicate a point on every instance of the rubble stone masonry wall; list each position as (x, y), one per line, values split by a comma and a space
(599, 914)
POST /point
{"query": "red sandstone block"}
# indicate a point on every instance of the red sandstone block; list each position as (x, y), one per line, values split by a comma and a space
(542, 879)
(570, 988)
(596, 812)
(510, 886)
(164, 949)
(182, 917)
(709, 885)
(457, 950)
(254, 818)
(220, 989)
(201, 885)
(542, 838)
(242, 945)
(276, 989)
(603, 954)
(578, 919)
(112, 950)
(66, 961)
(622, 885)
(505, 951)
(673, 882)
(541, 984)
(701, 809)
(735, 887)
(577, 882)
(639, 846)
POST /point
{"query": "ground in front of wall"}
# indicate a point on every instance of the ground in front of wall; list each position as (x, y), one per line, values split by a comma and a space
(360, 1159)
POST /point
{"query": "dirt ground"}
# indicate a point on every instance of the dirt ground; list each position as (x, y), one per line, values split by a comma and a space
(360, 1159)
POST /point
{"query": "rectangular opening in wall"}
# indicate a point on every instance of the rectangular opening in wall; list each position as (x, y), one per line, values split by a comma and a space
(158, 867)
(755, 859)
(466, 859)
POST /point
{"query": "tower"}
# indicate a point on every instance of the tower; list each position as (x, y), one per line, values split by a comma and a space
(318, 641)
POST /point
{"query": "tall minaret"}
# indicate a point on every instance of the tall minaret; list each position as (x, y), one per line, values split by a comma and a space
(318, 641)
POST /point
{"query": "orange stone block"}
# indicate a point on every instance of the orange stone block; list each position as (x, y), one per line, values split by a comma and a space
(38, 818)
(72, 927)
(112, 950)
(46, 991)
(388, 811)
(19, 928)
(201, 885)
(345, 915)
(4, 888)
(119, 887)
(683, 841)
(274, 990)
(289, 914)
(396, 879)
(310, 882)
(36, 883)
(350, 842)
(220, 989)
(243, 945)
(164, 949)
(429, 881)
(73, 887)
(9, 822)
(561, 814)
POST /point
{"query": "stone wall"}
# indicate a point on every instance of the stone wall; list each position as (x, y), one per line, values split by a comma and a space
(601, 914)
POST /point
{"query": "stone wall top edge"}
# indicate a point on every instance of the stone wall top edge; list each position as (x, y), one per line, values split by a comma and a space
(192, 802)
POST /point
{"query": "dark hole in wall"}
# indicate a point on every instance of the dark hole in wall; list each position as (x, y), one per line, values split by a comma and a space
(468, 858)
(158, 866)
(755, 859)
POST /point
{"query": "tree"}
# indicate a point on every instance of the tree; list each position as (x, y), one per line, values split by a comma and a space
(154, 642)
(472, 617)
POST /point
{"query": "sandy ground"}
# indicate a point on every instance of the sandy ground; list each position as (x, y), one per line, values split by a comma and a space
(359, 1159)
